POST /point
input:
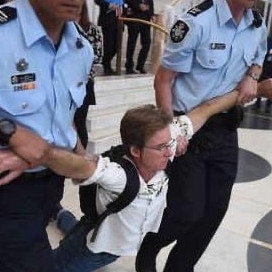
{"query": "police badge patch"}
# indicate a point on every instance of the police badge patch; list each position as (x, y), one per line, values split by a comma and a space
(179, 31)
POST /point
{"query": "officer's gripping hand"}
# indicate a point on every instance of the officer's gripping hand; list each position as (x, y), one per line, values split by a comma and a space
(11, 166)
(29, 146)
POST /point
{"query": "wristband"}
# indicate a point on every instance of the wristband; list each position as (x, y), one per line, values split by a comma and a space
(185, 126)
(253, 76)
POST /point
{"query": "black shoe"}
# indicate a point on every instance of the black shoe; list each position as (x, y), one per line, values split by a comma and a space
(141, 70)
(131, 72)
(109, 71)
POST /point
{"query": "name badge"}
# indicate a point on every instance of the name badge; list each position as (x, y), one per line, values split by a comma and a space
(25, 78)
(24, 82)
(218, 46)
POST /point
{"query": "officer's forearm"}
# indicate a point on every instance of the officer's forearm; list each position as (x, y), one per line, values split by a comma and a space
(265, 88)
(69, 164)
(28, 146)
(37, 151)
(163, 84)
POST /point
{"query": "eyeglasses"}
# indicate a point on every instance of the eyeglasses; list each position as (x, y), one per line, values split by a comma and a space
(163, 147)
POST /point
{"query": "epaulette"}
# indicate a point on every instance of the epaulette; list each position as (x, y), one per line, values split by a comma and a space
(7, 14)
(79, 43)
(258, 18)
(200, 7)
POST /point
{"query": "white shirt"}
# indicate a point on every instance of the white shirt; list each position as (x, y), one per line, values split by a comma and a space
(122, 233)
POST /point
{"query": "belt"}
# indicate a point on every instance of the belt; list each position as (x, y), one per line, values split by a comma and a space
(37, 175)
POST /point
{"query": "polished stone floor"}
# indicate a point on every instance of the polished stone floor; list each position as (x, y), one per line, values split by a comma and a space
(243, 242)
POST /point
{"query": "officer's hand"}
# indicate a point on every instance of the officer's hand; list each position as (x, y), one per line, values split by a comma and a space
(265, 88)
(11, 166)
(182, 144)
(247, 90)
(143, 7)
(29, 146)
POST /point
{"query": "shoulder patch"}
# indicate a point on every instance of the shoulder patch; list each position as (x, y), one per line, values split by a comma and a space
(7, 14)
(200, 8)
(179, 31)
(258, 19)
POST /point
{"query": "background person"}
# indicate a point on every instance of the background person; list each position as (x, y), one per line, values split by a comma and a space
(144, 10)
(205, 56)
(40, 91)
(108, 20)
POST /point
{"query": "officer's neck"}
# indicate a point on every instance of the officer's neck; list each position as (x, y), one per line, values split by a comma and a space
(237, 11)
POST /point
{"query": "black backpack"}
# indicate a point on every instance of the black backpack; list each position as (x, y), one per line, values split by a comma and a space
(87, 194)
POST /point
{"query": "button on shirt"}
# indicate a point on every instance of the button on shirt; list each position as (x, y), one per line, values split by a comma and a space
(214, 55)
(122, 233)
(41, 86)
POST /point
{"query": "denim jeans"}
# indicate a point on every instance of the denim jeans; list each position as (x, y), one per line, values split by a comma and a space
(72, 255)
(66, 221)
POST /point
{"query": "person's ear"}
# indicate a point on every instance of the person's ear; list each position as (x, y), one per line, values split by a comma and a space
(135, 151)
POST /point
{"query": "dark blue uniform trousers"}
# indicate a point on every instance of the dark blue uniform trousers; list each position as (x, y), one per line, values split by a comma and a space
(25, 208)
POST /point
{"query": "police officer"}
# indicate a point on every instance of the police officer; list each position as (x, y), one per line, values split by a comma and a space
(144, 10)
(108, 20)
(43, 78)
(207, 55)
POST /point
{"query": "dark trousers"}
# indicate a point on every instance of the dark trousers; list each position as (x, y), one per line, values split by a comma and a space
(109, 31)
(198, 196)
(134, 29)
(25, 209)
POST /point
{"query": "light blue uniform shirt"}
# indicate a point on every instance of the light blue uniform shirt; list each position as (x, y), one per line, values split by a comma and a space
(41, 87)
(214, 55)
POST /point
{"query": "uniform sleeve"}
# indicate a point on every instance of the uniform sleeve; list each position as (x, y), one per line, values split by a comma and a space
(262, 48)
(178, 55)
(109, 175)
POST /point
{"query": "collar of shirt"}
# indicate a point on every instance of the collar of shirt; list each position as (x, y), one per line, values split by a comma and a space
(35, 31)
(224, 14)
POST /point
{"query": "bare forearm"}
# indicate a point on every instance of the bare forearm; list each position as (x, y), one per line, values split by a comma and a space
(69, 164)
(203, 112)
(37, 151)
(163, 85)
(265, 88)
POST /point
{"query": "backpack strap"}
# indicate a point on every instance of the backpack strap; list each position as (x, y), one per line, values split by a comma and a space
(125, 198)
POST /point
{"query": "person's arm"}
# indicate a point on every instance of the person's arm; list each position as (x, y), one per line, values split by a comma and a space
(163, 84)
(11, 166)
(59, 160)
(200, 114)
(248, 86)
(265, 88)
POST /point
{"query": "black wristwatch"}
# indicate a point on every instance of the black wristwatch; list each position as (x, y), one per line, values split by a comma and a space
(7, 129)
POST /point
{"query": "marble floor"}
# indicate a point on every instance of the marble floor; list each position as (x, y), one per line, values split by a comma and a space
(243, 242)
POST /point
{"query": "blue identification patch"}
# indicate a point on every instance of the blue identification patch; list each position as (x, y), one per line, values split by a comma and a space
(179, 31)
(7, 14)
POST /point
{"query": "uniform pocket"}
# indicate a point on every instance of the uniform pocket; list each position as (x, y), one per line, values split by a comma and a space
(21, 102)
(211, 59)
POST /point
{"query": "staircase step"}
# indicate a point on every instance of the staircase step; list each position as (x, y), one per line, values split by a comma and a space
(114, 96)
